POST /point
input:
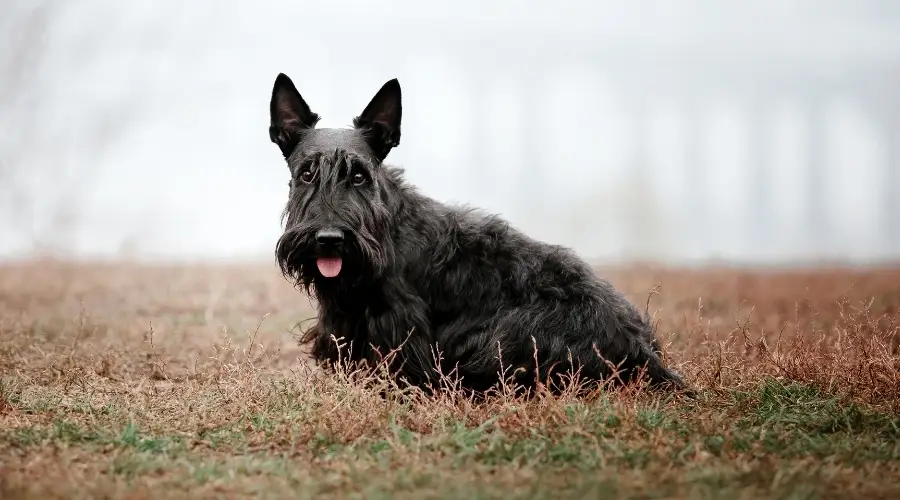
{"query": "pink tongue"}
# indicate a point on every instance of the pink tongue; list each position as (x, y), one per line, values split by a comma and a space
(329, 266)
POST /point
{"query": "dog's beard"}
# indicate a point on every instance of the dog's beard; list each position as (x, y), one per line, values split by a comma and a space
(295, 256)
(306, 266)
(362, 257)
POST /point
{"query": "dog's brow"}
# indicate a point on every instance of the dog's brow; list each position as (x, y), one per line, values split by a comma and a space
(304, 161)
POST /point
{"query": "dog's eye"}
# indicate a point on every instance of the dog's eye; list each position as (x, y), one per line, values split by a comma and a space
(357, 179)
(307, 175)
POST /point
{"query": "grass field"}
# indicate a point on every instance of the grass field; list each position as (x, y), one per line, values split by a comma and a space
(123, 381)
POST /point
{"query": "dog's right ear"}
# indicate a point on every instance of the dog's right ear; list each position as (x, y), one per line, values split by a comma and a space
(290, 115)
(380, 121)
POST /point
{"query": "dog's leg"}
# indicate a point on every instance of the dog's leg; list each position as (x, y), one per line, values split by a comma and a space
(402, 336)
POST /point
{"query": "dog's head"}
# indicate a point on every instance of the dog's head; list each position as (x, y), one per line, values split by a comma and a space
(337, 218)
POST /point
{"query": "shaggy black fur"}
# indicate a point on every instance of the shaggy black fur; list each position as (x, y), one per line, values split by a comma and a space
(417, 277)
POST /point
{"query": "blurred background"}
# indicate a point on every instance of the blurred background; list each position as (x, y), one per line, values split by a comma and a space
(682, 132)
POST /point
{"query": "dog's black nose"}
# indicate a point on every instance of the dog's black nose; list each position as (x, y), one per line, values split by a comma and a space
(329, 236)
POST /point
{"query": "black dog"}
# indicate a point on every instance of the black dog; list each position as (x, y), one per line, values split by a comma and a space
(445, 289)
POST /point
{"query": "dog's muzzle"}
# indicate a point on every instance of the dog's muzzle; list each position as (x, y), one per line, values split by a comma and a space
(329, 241)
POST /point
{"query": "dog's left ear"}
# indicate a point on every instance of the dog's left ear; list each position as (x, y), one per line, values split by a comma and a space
(380, 121)
(290, 115)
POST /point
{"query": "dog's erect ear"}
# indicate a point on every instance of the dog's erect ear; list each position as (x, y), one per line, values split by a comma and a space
(290, 115)
(380, 121)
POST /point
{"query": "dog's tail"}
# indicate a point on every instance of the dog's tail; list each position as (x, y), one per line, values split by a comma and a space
(646, 356)
(659, 376)
(662, 377)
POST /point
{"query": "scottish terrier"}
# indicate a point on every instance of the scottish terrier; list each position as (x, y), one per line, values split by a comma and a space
(447, 290)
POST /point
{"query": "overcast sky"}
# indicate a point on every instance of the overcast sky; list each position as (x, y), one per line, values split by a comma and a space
(144, 124)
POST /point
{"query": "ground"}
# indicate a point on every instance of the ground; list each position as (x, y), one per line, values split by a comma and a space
(128, 381)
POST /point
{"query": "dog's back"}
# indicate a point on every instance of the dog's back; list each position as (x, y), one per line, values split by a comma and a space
(493, 292)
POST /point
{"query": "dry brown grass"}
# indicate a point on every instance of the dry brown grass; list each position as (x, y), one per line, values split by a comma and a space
(131, 381)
